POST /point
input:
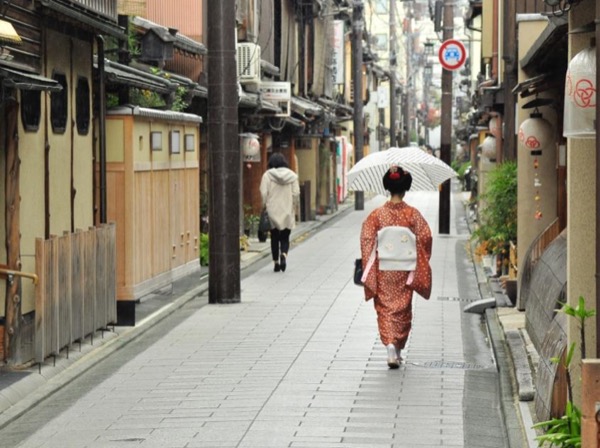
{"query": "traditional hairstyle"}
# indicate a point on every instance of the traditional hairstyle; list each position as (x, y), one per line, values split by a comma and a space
(397, 181)
(277, 160)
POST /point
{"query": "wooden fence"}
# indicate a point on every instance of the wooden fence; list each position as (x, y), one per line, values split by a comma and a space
(76, 293)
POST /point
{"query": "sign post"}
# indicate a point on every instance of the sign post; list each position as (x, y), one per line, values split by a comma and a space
(452, 54)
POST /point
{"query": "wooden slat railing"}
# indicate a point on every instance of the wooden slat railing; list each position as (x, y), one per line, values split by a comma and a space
(106, 8)
(76, 291)
(543, 240)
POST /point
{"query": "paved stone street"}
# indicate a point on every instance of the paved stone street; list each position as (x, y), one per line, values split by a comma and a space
(298, 363)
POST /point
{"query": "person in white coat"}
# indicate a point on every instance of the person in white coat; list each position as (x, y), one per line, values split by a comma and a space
(280, 193)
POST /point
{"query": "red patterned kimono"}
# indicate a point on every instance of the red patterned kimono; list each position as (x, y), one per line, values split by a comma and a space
(393, 298)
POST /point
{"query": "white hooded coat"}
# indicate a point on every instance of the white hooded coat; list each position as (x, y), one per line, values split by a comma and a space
(280, 193)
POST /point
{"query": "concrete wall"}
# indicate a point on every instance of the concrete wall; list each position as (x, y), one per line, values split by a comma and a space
(529, 28)
(581, 207)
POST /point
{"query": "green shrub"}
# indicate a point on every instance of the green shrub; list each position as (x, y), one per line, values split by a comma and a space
(460, 170)
(204, 249)
(565, 432)
(498, 216)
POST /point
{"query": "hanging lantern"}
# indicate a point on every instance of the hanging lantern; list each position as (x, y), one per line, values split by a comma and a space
(488, 148)
(580, 95)
(493, 127)
(536, 133)
(250, 147)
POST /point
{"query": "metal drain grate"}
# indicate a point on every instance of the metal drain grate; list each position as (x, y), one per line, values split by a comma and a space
(452, 299)
(452, 365)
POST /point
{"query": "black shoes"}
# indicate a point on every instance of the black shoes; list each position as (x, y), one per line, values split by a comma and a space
(282, 262)
(277, 268)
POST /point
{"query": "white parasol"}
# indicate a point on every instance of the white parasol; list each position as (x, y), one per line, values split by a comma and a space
(427, 171)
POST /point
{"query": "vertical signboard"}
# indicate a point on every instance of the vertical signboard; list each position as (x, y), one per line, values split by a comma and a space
(383, 99)
(337, 51)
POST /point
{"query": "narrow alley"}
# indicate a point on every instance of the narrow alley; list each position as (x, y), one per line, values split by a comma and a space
(298, 363)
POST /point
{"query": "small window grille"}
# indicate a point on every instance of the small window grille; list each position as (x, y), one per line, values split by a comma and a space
(31, 101)
(59, 105)
(82, 105)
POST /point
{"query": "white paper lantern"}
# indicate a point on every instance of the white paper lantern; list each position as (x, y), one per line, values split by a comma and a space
(488, 147)
(536, 133)
(250, 147)
(580, 95)
(493, 127)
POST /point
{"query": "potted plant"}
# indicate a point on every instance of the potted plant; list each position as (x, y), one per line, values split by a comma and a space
(565, 431)
(498, 217)
(251, 222)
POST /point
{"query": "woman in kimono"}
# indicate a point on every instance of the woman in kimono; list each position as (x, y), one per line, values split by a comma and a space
(392, 291)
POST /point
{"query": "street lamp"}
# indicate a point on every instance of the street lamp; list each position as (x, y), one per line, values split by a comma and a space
(428, 72)
(428, 48)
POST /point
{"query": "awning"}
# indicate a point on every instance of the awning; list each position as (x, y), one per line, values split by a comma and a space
(251, 100)
(550, 50)
(26, 81)
(342, 109)
(303, 106)
(68, 9)
(168, 115)
(192, 88)
(294, 122)
(123, 74)
(535, 85)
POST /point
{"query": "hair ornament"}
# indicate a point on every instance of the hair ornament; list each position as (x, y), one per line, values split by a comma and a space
(394, 172)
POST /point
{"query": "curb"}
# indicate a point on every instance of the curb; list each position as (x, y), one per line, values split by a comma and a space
(517, 418)
(513, 421)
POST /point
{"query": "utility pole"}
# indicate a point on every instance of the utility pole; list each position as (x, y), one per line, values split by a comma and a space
(509, 140)
(357, 32)
(393, 64)
(446, 134)
(409, 78)
(225, 158)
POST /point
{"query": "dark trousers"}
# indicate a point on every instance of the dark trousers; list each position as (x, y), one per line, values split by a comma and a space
(280, 241)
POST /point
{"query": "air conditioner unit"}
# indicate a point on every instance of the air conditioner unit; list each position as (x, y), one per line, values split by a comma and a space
(248, 64)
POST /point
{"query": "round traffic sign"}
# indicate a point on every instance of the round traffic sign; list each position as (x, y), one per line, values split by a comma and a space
(452, 54)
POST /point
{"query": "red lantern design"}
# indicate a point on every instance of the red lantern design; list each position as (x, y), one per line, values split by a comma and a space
(536, 133)
(580, 95)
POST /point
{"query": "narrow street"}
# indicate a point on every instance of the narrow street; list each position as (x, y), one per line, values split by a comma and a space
(298, 363)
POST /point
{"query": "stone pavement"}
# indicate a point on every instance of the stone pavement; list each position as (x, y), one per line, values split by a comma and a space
(298, 363)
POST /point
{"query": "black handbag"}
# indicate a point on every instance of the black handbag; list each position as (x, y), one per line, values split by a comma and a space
(358, 272)
(264, 224)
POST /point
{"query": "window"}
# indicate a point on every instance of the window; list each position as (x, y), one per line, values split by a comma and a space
(381, 6)
(82, 104)
(59, 104)
(156, 141)
(381, 42)
(175, 142)
(190, 142)
(31, 103)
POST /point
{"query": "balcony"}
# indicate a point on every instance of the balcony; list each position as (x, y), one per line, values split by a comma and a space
(99, 15)
(105, 8)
